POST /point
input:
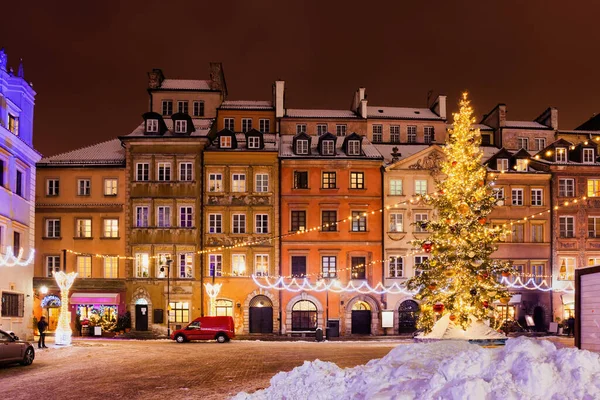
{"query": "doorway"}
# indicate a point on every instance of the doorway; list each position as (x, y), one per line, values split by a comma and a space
(361, 318)
(539, 319)
(408, 312)
(141, 317)
(261, 315)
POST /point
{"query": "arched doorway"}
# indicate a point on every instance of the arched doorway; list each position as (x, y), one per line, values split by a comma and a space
(261, 315)
(304, 316)
(408, 312)
(141, 315)
(539, 317)
(361, 318)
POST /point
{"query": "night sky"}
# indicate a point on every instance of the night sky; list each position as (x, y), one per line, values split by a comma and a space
(88, 59)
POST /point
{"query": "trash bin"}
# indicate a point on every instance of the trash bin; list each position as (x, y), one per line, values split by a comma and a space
(319, 335)
(333, 328)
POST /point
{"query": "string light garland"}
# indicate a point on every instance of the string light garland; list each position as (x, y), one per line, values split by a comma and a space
(333, 285)
(10, 260)
(532, 285)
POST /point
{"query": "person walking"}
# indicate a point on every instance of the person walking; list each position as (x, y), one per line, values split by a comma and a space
(42, 326)
(571, 325)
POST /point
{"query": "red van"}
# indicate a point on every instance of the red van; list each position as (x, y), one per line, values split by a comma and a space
(220, 329)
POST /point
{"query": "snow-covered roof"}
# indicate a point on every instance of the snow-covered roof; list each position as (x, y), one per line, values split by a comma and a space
(286, 150)
(185, 84)
(401, 113)
(202, 128)
(405, 150)
(106, 153)
(246, 105)
(270, 140)
(306, 113)
(525, 125)
(481, 127)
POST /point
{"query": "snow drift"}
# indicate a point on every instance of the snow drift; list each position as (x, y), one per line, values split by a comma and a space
(453, 370)
(445, 329)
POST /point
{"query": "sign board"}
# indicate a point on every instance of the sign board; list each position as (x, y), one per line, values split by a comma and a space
(97, 331)
(387, 318)
(553, 327)
(587, 308)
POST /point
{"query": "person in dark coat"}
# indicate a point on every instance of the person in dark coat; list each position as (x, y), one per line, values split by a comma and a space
(571, 325)
(42, 326)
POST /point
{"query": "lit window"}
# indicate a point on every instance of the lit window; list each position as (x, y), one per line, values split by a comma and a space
(328, 180)
(238, 182)
(215, 265)
(84, 266)
(502, 164)
(162, 259)
(396, 267)
(261, 264)
(110, 228)
(262, 183)
(238, 264)
(566, 271)
(84, 228)
(594, 227)
(225, 142)
(110, 187)
(593, 187)
(215, 182)
(180, 312)
(396, 222)
(186, 265)
(521, 165)
(357, 180)
(13, 124)
(111, 267)
(142, 263)
(561, 154)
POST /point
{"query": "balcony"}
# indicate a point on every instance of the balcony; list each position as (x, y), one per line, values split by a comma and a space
(164, 235)
(164, 189)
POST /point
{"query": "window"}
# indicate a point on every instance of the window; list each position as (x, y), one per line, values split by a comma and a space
(517, 197)
(395, 134)
(229, 124)
(359, 221)
(567, 226)
(518, 273)
(328, 180)
(329, 221)
(540, 143)
(420, 187)
(111, 267)
(588, 155)
(396, 222)
(419, 219)
(142, 261)
(261, 223)
(110, 187)
(498, 193)
(357, 180)
(13, 304)
(164, 171)
(151, 125)
(84, 228)
(180, 126)
(566, 270)
(246, 124)
(411, 134)
(418, 261)
(186, 217)
(537, 273)
(298, 266)
(84, 266)
(300, 179)
(19, 187)
(359, 267)
(225, 142)
(594, 227)
(162, 263)
(182, 106)
(180, 312)
(238, 264)
(198, 109)
(3, 173)
(239, 223)
(238, 182)
(395, 187)
(261, 264)
(561, 154)
(16, 242)
(185, 171)
(328, 147)
(304, 316)
(215, 265)
(566, 187)
(537, 233)
(264, 125)
(215, 223)
(13, 124)
(215, 182)
(52, 186)
(302, 146)
(261, 183)
(254, 142)
(300, 128)
(486, 138)
(377, 133)
(353, 147)
(522, 143)
(224, 308)
(141, 216)
(328, 266)
(321, 129)
(298, 220)
(593, 261)
(52, 228)
(502, 164)
(52, 265)
(428, 134)
(167, 107)
(537, 196)
(83, 187)
(340, 130)
(163, 216)
(517, 233)
(142, 172)
(186, 265)
(110, 228)
(521, 165)
(593, 187)
(396, 267)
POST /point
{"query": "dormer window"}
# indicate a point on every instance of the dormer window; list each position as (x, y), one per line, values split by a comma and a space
(302, 146)
(588, 155)
(180, 126)
(225, 142)
(561, 154)
(328, 148)
(502, 164)
(152, 125)
(253, 142)
(521, 165)
(354, 147)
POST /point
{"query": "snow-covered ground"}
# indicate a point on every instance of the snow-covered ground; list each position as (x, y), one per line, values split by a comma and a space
(453, 370)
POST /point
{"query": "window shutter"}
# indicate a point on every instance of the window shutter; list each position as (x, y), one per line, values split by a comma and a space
(21, 309)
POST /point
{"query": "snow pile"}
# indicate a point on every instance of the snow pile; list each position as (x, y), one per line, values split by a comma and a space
(446, 329)
(453, 370)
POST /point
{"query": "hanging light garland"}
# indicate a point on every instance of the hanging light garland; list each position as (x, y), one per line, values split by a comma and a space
(10, 260)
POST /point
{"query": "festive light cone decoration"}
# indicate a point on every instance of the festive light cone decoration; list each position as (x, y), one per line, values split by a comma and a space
(62, 336)
(213, 292)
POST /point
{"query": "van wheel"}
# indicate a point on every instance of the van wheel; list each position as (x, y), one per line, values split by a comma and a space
(180, 338)
(221, 338)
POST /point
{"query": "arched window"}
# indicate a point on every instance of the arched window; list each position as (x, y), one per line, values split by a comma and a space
(304, 316)
(224, 308)
(361, 306)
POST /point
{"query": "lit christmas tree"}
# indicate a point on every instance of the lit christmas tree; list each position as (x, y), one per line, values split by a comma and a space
(460, 278)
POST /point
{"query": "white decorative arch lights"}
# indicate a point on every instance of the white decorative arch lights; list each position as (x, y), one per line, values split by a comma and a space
(10, 260)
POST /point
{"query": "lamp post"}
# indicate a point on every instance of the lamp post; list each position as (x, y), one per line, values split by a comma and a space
(162, 269)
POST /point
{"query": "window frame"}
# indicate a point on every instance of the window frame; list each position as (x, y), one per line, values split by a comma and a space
(587, 155)
(261, 182)
(329, 221)
(52, 190)
(186, 170)
(397, 263)
(516, 197)
(235, 187)
(164, 217)
(568, 187)
(198, 110)
(264, 125)
(85, 270)
(359, 224)
(566, 227)
(109, 188)
(55, 232)
(186, 216)
(83, 228)
(109, 223)
(261, 223)
(341, 129)
(357, 180)
(537, 197)
(411, 134)
(142, 170)
(215, 182)
(298, 220)
(328, 180)
(229, 124)
(86, 189)
(238, 227)
(246, 124)
(215, 223)
(163, 171)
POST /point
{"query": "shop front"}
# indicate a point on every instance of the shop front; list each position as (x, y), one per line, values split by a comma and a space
(95, 310)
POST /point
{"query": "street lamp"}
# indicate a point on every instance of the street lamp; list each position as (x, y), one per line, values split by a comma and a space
(162, 269)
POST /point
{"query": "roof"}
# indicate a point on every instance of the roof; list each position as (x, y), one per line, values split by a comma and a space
(269, 139)
(525, 124)
(246, 105)
(106, 153)
(405, 150)
(592, 124)
(401, 113)
(305, 113)
(185, 84)
(285, 149)
(202, 128)
(481, 127)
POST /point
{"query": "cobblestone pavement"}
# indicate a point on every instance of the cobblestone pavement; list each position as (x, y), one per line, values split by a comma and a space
(160, 369)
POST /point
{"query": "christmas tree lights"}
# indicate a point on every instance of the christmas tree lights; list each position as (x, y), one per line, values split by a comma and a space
(63, 329)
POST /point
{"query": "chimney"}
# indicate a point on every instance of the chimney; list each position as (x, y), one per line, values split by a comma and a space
(155, 78)
(363, 108)
(549, 118)
(279, 98)
(395, 155)
(359, 96)
(217, 78)
(439, 106)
